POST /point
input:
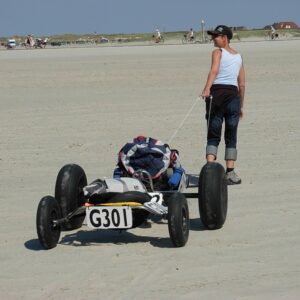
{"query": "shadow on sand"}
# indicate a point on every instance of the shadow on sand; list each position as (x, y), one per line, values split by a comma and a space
(117, 237)
(33, 245)
(197, 225)
(88, 238)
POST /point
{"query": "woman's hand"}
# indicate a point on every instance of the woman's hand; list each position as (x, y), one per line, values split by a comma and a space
(206, 93)
(241, 113)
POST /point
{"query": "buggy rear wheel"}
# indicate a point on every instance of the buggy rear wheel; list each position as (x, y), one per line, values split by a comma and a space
(178, 219)
(48, 232)
(70, 182)
(212, 195)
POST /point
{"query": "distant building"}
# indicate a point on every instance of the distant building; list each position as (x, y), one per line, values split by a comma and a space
(285, 25)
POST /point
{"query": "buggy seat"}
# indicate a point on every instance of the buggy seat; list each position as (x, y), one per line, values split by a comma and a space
(152, 161)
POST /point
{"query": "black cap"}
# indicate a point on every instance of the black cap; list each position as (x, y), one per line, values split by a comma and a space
(221, 30)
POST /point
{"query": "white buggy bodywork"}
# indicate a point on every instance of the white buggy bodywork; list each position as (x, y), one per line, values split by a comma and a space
(126, 184)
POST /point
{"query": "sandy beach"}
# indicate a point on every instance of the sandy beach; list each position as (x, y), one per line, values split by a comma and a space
(81, 105)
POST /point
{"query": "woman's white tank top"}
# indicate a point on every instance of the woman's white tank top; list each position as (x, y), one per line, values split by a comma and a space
(230, 66)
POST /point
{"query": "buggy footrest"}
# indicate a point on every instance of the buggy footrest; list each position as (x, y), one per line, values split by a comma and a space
(192, 180)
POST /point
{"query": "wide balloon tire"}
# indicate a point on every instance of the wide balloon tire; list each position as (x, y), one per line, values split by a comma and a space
(178, 219)
(70, 182)
(212, 195)
(48, 232)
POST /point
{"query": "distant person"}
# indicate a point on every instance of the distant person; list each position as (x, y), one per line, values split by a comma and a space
(273, 29)
(190, 35)
(224, 94)
(29, 41)
(157, 36)
(273, 33)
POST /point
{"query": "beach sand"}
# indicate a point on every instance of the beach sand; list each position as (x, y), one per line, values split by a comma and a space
(81, 105)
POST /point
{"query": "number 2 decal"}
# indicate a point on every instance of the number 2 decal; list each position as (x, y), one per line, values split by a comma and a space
(156, 197)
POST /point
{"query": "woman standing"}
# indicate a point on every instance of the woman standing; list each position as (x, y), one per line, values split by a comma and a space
(224, 94)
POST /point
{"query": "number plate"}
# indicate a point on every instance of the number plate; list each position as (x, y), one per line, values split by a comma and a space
(107, 217)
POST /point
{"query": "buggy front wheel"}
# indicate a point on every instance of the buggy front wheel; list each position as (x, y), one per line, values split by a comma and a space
(48, 232)
(178, 219)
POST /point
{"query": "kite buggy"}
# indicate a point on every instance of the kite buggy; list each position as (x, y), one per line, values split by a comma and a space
(149, 180)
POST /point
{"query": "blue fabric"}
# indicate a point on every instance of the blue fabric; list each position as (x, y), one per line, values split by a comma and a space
(117, 173)
(148, 160)
(175, 179)
(149, 157)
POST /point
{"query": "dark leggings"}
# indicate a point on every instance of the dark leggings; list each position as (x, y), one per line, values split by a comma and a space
(231, 114)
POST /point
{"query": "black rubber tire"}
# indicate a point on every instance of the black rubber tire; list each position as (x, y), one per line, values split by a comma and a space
(133, 196)
(178, 219)
(70, 182)
(139, 216)
(48, 210)
(212, 195)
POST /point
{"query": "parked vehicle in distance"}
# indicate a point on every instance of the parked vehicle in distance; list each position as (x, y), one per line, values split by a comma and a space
(11, 44)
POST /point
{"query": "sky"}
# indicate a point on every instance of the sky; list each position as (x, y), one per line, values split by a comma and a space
(49, 17)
